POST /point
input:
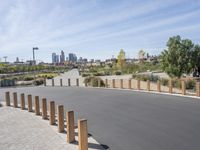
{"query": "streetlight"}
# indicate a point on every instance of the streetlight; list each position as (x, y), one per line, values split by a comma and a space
(34, 61)
(34, 48)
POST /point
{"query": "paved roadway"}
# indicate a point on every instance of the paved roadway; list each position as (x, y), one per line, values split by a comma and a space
(128, 120)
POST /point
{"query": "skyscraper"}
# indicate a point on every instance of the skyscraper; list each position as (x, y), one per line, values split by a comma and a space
(72, 57)
(62, 57)
(55, 58)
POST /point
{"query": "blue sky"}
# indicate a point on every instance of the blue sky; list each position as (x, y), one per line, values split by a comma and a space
(94, 28)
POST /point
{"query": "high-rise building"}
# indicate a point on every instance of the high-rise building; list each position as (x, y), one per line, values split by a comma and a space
(72, 57)
(62, 57)
(55, 58)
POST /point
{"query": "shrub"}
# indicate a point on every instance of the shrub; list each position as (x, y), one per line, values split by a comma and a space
(28, 78)
(146, 77)
(118, 73)
(93, 81)
(190, 84)
(164, 82)
(85, 74)
(38, 82)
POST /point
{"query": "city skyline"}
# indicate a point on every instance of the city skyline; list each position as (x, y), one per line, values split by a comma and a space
(93, 28)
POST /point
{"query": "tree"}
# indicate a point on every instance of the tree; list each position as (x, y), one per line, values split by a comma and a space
(176, 60)
(141, 55)
(121, 59)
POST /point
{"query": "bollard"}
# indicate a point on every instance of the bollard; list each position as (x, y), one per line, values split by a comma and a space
(129, 83)
(60, 118)
(77, 82)
(183, 87)
(61, 84)
(82, 134)
(113, 83)
(70, 127)
(15, 104)
(30, 103)
(22, 101)
(37, 106)
(99, 82)
(106, 83)
(148, 85)
(7, 98)
(138, 84)
(198, 89)
(69, 83)
(53, 82)
(170, 86)
(121, 83)
(44, 108)
(158, 86)
(52, 112)
(45, 81)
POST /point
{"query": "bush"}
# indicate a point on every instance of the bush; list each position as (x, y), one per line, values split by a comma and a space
(85, 74)
(164, 82)
(190, 84)
(118, 73)
(93, 81)
(28, 78)
(38, 82)
(151, 77)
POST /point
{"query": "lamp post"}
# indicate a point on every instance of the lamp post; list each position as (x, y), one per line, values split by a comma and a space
(34, 61)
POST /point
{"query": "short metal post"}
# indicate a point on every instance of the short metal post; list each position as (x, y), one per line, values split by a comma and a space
(53, 82)
(69, 82)
(61, 84)
(77, 82)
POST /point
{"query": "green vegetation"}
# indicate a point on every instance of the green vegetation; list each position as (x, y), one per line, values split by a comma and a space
(93, 81)
(181, 57)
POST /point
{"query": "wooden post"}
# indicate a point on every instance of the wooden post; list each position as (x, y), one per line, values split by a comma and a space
(70, 127)
(82, 134)
(61, 84)
(148, 85)
(45, 81)
(15, 103)
(121, 83)
(183, 87)
(138, 84)
(37, 106)
(53, 82)
(69, 83)
(7, 98)
(158, 86)
(30, 103)
(52, 112)
(106, 83)
(22, 101)
(113, 83)
(44, 108)
(170, 86)
(99, 82)
(60, 118)
(198, 89)
(129, 83)
(77, 82)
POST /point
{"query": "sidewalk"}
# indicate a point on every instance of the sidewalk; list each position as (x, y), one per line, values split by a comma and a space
(22, 130)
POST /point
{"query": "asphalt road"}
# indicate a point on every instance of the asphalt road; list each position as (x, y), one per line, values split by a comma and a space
(128, 120)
